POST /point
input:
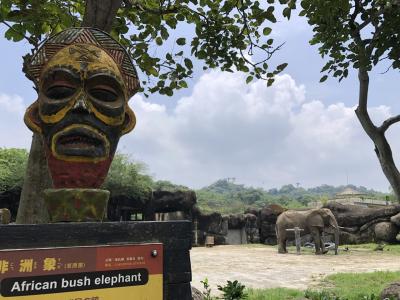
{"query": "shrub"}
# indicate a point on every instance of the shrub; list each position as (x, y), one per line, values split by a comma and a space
(233, 291)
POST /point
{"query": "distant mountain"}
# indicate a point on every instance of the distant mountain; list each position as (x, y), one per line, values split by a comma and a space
(227, 196)
(226, 186)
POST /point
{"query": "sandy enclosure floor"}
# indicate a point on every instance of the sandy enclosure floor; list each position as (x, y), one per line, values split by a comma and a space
(262, 267)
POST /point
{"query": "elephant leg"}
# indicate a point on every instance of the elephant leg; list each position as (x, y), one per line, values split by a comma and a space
(323, 249)
(317, 240)
(281, 244)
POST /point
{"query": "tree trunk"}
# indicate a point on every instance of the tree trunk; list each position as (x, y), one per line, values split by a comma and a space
(382, 147)
(384, 153)
(32, 208)
(98, 14)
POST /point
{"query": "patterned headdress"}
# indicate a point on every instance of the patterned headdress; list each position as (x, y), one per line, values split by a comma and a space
(84, 35)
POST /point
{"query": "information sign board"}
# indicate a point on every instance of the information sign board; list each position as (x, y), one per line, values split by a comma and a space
(83, 273)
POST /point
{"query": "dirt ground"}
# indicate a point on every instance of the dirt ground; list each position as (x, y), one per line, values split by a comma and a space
(260, 266)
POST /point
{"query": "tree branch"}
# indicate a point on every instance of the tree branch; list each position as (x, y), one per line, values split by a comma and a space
(31, 41)
(357, 8)
(170, 9)
(362, 111)
(387, 123)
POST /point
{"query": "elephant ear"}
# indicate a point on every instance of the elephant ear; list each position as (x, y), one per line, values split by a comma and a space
(315, 219)
(331, 218)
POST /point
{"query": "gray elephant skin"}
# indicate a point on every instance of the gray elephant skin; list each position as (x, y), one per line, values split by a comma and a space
(313, 221)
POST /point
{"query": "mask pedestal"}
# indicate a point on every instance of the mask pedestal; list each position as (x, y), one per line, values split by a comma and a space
(76, 205)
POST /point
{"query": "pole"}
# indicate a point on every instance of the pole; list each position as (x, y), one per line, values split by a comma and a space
(297, 231)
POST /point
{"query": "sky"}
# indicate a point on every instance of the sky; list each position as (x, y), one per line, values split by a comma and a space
(298, 131)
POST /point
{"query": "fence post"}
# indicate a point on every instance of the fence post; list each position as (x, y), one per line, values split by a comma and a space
(297, 231)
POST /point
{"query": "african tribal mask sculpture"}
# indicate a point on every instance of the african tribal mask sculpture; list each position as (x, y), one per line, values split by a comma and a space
(84, 80)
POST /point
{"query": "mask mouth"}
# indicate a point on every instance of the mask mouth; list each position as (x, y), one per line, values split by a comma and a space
(80, 141)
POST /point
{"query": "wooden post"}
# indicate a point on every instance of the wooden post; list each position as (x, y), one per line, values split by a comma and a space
(297, 231)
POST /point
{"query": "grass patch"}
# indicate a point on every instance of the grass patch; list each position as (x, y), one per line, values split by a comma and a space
(345, 286)
(353, 285)
(257, 246)
(370, 247)
(274, 294)
(389, 249)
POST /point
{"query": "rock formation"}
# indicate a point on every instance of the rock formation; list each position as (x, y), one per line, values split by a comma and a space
(268, 216)
(363, 225)
(391, 292)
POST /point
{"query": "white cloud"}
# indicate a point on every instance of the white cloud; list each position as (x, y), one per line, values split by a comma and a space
(226, 128)
(12, 104)
(262, 136)
(14, 132)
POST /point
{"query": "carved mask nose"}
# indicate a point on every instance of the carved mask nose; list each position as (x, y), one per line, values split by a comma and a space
(81, 104)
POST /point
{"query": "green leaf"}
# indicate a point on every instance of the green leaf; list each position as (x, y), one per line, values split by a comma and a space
(281, 67)
(181, 41)
(168, 91)
(337, 73)
(323, 78)
(159, 41)
(180, 17)
(249, 79)
(286, 12)
(164, 33)
(267, 31)
(8, 34)
(188, 63)
(153, 71)
(270, 17)
(201, 54)
(244, 68)
(305, 4)
(302, 13)
(15, 33)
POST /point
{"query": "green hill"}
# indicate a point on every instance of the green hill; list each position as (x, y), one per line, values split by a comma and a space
(226, 196)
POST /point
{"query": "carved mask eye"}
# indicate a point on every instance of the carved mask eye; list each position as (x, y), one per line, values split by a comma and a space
(104, 94)
(104, 89)
(59, 92)
(60, 84)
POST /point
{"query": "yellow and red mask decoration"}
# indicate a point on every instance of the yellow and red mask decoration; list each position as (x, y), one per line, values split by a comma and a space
(84, 80)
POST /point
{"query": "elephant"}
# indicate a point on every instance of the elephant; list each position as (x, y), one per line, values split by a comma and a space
(313, 221)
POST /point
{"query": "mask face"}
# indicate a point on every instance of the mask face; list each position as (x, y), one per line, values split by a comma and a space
(81, 113)
(82, 104)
